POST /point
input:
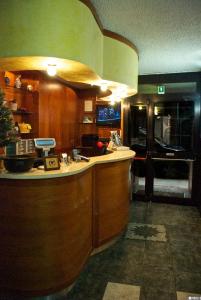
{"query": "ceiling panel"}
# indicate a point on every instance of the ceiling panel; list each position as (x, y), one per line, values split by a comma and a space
(167, 33)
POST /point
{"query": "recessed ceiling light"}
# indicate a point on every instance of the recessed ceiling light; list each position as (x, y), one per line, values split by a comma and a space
(104, 87)
(51, 70)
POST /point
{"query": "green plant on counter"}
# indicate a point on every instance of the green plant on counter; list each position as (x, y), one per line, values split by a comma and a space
(7, 130)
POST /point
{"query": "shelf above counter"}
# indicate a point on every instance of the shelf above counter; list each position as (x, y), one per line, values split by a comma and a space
(21, 112)
(85, 123)
(13, 88)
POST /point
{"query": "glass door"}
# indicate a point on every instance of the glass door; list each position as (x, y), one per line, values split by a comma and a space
(162, 133)
(172, 148)
(138, 142)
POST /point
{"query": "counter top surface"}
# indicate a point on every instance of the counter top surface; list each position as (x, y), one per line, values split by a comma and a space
(71, 169)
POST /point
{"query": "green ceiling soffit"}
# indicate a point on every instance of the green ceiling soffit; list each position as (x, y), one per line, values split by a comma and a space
(120, 62)
(64, 29)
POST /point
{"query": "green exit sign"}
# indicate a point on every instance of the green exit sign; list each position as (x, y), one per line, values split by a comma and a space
(161, 89)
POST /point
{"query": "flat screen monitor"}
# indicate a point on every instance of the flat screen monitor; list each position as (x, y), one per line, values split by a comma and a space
(108, 115)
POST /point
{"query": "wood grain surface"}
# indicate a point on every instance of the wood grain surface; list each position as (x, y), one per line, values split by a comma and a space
(46, 232)
(111, 200)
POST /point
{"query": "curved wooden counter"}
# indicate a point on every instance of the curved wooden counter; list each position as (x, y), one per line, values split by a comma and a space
(49, 226)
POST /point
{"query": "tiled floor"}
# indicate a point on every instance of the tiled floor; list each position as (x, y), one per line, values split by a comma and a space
(120, 291)
(159, 269)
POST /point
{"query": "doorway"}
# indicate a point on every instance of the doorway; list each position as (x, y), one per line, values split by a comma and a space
(162, 134)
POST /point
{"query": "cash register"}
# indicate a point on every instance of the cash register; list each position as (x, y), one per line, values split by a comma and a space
(44, 145)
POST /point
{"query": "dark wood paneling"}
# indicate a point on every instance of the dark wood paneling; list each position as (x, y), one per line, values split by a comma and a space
(58, 114)
(104, 132)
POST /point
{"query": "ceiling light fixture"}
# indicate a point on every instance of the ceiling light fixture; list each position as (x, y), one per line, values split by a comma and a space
(51, 70)
(104, 87)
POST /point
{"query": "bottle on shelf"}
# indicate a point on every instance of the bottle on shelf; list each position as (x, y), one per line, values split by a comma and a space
(17, 129)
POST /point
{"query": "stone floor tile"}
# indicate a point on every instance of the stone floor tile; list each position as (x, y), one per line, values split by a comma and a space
(119, 291)
(89, 286)
(188, 281)
(184, 233)
(157, 254)
(123, 253)
(138, 215)
(138, 211)
(186, 256)
(150, 293)
(161, 279)
(172, 214)
(185, 296)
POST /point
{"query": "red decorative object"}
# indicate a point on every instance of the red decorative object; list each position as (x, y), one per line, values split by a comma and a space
(100, 144)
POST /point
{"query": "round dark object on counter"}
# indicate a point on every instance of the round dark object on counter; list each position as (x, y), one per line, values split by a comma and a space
(18, 163)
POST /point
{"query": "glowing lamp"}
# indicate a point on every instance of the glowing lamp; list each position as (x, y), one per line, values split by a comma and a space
(51, 70)
(103, 87)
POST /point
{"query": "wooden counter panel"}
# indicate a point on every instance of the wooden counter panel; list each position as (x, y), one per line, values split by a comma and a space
(50, 226)
(111, 200)
(46, 231)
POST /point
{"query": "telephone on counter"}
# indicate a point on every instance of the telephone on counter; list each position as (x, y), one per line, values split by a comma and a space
(77, 157)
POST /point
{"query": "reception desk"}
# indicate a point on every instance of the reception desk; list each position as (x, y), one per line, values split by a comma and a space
(50, 222)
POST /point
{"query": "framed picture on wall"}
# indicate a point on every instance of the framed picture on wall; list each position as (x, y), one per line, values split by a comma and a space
(88, 105)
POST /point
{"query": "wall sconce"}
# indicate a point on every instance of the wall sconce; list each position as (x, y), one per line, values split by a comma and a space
(51, 70)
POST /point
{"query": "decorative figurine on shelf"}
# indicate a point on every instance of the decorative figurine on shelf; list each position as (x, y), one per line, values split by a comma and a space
(24, 127)
(87, 119)
(18, 82)
(115, 138)
(29, 87)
